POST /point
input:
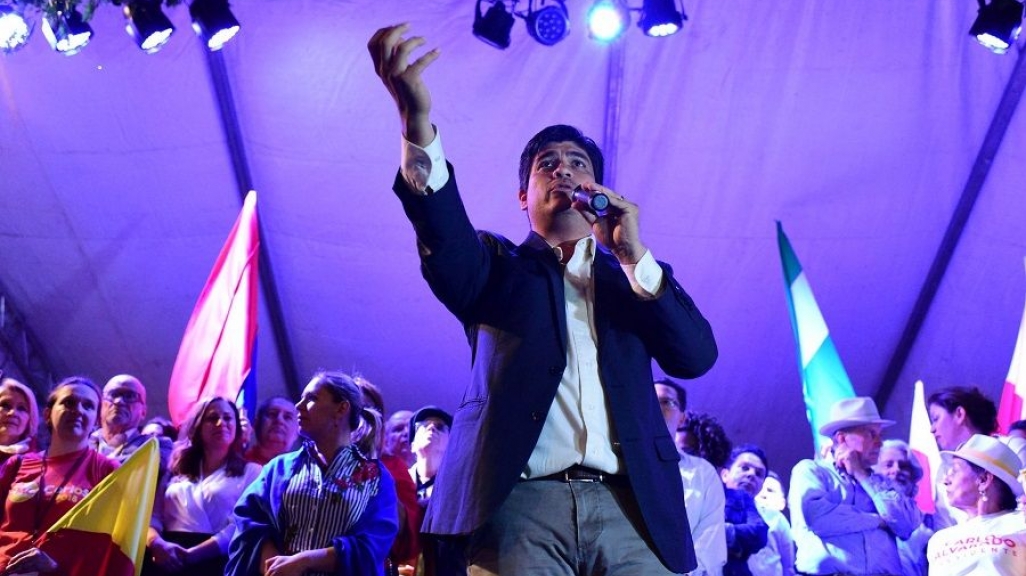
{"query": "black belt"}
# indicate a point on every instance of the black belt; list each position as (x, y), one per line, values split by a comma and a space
(578, 473)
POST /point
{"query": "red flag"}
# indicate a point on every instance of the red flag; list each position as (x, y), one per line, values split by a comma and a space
(217, 352)
(1013, 396)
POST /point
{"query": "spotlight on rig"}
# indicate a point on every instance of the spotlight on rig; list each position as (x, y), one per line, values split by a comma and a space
(607, 20)
(998, 24)
(14, 29)
(213, 22)
(493, 27)
(661, 18)
(548, 24)
(148, 25)
(66, 31)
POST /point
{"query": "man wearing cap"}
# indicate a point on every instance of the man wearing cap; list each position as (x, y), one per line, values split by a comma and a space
(845, 517)
(429, 433)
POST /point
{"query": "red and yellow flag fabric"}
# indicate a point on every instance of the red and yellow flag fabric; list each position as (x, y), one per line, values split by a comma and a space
(105, 533)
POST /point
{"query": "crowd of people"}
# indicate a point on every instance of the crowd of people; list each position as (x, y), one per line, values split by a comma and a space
(556, 461)
(350, 499)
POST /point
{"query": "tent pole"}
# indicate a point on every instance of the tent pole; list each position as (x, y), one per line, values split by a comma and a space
(614, 94)
(244, 183)
(956, 225)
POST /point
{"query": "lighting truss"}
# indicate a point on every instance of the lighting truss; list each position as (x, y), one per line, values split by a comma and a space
(65, 23)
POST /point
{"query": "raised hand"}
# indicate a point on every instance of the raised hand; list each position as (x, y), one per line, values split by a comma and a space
(403, 79)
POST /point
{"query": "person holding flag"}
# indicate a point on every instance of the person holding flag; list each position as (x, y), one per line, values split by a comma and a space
(38, 489)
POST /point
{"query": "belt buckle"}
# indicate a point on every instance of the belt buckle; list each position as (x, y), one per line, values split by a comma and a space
(579, 475)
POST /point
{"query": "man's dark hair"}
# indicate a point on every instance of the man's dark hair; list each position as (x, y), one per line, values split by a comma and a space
(1017, 425)
(710, 438)
(560, 133)
(747, 449)
(980, 410)
(682, 394)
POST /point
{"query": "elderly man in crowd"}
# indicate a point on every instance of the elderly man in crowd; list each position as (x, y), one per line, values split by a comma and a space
(276, 430)
(122, 413)
(846, 517)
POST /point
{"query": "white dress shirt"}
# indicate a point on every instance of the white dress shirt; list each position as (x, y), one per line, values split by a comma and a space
(704, 499)
(205, 507)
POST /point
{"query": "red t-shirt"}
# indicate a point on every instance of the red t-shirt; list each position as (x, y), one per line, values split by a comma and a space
(407, 542)
(26, 511)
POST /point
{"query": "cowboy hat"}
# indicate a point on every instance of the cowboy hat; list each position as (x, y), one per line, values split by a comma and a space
(857, 411)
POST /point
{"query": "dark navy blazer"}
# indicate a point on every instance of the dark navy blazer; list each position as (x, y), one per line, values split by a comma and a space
(511, 303)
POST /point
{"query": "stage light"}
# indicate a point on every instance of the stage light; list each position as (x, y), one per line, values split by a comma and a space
(147, 24)
(607, 20)
(661, 18)
(66, 31)
(14, 29)
(998, 24)
(549, 24)
(494, 26)
(213, 22)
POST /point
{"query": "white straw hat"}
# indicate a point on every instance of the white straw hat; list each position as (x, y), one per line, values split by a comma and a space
(857, 411)
(991, 455)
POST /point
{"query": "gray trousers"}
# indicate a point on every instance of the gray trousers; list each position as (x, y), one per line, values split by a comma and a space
(552, 528)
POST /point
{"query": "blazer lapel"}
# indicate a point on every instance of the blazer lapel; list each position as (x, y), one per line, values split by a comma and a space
(538, 251)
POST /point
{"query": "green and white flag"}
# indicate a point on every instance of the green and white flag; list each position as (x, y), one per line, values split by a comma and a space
(824, 380)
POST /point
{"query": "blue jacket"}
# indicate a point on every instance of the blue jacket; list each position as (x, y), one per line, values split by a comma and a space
(511, 303)
(362, 551)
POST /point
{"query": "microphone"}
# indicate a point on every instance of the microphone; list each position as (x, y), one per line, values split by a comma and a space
(597, 202)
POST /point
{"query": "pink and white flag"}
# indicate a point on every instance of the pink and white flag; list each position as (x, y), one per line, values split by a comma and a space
(924, 447)
(1012, 406)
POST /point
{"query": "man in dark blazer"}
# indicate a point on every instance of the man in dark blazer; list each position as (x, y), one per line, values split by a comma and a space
(558, 459)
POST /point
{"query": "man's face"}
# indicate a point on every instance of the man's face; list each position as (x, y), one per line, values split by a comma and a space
(747, 473)
(397, 434)
(673, 415)
(865, 440)
(431, 437)
(772, 495)
(124, 404)
(278, 423)
(555, 171)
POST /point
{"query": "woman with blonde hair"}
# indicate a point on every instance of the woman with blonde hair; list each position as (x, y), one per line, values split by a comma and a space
(324, 509)
(209, 473)
(19, 419)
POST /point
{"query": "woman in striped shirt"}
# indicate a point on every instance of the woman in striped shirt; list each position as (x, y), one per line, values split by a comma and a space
(324, 509)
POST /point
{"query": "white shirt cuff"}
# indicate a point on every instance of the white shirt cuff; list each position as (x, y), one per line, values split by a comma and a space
(424, 169)
(646, 277)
